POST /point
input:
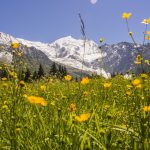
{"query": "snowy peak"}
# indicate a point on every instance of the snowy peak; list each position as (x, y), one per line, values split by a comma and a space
(71, 52)
(6, 38)
(67, 51)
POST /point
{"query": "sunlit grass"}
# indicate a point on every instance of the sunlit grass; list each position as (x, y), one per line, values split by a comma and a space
(103, 117)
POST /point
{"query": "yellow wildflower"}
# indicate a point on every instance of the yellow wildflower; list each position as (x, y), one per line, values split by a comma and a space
(4, 79)
(136, 82)
(72, 107)
(43, 87)
(5, 107)
(85, 80)
(128, 93)
(143, 75)
(146, 62)
(5, 85)
(13, 74)
(148, 32)
(67, 77)
(53, 103)
(22, 83)
(24, 95)
(137, 62)
(18, 130)
(146, 108)
(139, 86)
(126, 15)
(142, 97)
(139, 57)
(146, 21)
(37, 100)
(107, 85)
(83, 117)
(106, 106)
(15, 45)
(5, 102)
(129, 86)
(147, 37)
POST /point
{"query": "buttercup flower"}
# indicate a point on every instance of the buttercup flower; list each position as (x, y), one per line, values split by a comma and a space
(67, 77)
(139, 86)
(126, 15)
(43, 87)
(147, 38)
(107, 85)
(146, 21)
(137, 62)
(4, 79)
(15, 45)
(146, 62)
(143, 75)
(22, 83)
(13, 74)
(83, 117)
(37, 100)
(148, 32)
(85, 80)
(136, 82)
(146, 108)
(128, 93)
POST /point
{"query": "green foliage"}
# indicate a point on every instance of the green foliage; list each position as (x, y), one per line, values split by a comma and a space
(41, 72)
(35, 75)
(27, 75)
(53, 70)
(58, 71)
(3, 73)
(117, 121)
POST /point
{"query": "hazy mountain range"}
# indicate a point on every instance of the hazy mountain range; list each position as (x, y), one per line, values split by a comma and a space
(69, 51)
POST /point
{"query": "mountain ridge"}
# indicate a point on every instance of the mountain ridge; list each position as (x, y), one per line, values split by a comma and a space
(69, 52)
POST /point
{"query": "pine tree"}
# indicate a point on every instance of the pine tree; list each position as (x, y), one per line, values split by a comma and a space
(60, 71)
(27, 75)
(40, 72)
(76, 79)
(64, 71)
(53, 70)
(35, 75)
(3, 73)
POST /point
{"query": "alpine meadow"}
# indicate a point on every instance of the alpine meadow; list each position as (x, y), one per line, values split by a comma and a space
(75, 93)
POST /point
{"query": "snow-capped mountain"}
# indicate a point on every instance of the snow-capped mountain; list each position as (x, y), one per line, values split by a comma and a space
(67, 51)
(70, 52)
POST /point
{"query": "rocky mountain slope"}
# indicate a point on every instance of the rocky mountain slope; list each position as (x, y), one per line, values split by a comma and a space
(69, 52)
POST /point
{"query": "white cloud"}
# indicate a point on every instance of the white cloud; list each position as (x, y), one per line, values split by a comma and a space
(93, 1)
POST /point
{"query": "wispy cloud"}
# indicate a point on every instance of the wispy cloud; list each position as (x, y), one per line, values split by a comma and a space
(93, 1)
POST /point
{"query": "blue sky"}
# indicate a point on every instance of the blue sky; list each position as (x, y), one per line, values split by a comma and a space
(48, 20)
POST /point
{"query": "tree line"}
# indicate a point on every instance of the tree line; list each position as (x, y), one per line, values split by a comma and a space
(58, 71)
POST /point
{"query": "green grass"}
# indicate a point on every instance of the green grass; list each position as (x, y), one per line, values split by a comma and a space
(117, 121)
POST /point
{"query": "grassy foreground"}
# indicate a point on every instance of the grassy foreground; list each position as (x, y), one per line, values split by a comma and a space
(93, 114)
